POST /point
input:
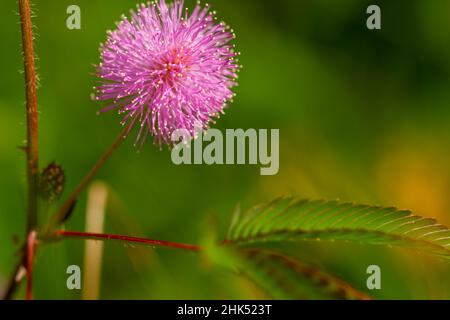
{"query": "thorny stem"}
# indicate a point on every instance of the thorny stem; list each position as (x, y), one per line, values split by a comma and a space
(126, 239)
(62, 214)
(32, 114)
(31, 148)
(31, 247)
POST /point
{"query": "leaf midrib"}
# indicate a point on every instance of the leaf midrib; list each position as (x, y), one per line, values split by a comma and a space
(293, 233)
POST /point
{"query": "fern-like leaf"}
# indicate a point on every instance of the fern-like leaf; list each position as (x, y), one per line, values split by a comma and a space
(289, 219)
(283, 277)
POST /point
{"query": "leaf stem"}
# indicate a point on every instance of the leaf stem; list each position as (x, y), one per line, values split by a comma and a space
(126, 239)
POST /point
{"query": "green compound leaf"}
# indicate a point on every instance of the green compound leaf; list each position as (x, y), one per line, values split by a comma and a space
(288, 219)
(283, 277)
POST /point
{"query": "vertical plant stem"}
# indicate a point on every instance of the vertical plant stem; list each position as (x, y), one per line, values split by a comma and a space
(31, 247)
(32, 149)
(32, 114)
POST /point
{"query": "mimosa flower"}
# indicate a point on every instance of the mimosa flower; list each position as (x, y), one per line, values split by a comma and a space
(168, 70)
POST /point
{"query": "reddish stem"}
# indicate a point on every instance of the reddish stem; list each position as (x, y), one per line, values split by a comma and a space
(32, 150)
(150, 242)
(31, 246)
(32, 113)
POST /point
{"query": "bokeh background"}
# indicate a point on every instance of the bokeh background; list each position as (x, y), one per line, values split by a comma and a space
(364, 116)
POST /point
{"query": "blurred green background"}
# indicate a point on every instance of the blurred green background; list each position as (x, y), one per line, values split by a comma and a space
(364, 116)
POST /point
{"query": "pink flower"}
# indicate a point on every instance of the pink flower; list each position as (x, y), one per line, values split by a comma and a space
(167, 70)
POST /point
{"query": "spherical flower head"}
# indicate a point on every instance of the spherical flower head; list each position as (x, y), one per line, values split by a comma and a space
(167, 70)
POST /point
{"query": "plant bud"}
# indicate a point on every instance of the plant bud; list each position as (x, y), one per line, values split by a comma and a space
(52, 182)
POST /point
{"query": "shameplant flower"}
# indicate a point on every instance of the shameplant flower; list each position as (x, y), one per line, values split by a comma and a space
(167, 69)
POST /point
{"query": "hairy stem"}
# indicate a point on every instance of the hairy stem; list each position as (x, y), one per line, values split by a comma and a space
(32, 114)
(126, 239)
(62, 214)
(31, 247)
(32, 149)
